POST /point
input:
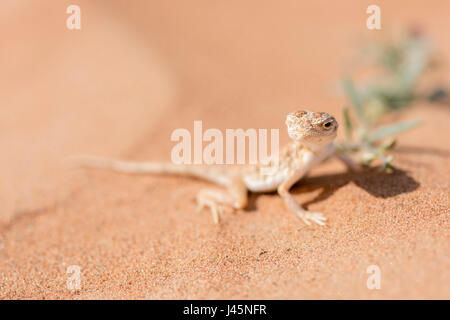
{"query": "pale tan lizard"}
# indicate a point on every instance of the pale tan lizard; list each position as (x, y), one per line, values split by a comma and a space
(312, 133)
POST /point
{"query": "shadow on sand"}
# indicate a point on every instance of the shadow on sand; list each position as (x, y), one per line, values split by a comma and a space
(374, 181)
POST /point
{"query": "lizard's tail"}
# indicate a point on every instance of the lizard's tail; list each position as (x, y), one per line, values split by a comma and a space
(202, 172)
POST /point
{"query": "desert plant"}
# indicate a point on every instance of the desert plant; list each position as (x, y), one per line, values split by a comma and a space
(402, 63)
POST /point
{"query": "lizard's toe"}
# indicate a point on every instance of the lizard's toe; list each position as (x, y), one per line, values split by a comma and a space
(200, 206)
(216, 209)
(318, 218)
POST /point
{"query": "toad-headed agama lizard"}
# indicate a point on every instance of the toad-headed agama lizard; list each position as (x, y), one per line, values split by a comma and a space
(312, 135)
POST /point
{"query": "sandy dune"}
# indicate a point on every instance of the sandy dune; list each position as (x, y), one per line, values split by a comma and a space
(132, 75)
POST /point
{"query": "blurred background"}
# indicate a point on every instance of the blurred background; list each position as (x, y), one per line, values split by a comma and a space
(138, 70)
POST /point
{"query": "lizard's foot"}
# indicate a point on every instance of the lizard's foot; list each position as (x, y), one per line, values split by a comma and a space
(216, 209)
(316, 217)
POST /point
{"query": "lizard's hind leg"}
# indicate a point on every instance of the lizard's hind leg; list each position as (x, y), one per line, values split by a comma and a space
(235, 197)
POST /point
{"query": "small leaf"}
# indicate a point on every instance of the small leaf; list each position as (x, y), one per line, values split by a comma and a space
(388, 166)
(354, 97)
(348, 124)
(388, 159)
(387, 163)
(392, 129)
(366, 158)
(388, 145)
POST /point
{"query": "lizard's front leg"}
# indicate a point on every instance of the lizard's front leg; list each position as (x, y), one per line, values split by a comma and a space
(306, 216)
(236, 196)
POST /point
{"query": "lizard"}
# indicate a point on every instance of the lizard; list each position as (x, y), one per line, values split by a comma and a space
(312, 137)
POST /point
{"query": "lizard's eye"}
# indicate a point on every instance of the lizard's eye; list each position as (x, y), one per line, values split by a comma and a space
(327, 124)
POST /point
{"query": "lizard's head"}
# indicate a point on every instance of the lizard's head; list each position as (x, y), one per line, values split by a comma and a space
(314, 129)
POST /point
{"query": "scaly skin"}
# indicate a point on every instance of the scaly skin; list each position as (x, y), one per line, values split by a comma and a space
(312, 135)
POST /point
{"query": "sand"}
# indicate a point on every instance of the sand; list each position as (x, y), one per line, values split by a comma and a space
(132, 75)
